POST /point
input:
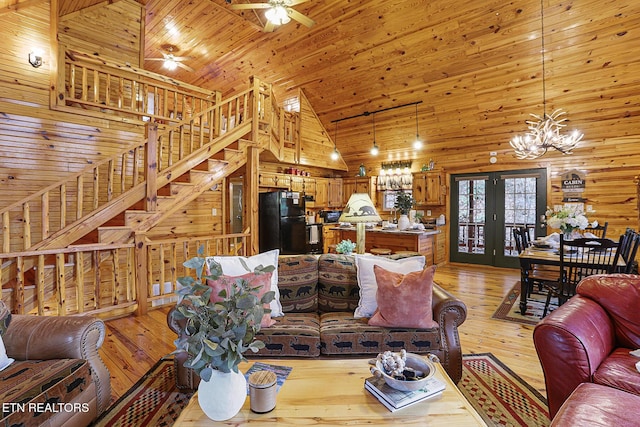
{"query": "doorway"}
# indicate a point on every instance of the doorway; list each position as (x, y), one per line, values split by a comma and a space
(486, 207)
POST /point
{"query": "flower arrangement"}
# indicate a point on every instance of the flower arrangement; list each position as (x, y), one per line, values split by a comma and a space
(404, 202)
(345, 247)
(568, 219)
(216, 334)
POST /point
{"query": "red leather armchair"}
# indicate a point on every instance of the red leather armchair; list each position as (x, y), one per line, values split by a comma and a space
(588, 339)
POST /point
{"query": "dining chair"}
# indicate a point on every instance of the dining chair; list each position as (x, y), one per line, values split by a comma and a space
(537, 274)
(627, 250)
(599, 231)
(580, 258)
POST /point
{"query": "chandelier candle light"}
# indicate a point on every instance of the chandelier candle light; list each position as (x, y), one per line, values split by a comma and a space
(545, 131)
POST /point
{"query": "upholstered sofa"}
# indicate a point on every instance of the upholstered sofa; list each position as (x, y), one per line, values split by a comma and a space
(589, 340)
(58, 377)
(319, 296)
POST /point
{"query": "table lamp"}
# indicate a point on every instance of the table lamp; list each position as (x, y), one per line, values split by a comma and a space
(359, 211)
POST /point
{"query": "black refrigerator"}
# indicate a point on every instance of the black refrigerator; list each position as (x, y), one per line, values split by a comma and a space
(282, 222)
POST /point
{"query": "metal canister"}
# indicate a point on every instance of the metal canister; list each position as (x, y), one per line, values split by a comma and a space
(262, 391)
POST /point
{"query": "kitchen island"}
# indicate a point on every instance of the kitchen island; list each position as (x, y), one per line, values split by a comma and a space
(421, 241)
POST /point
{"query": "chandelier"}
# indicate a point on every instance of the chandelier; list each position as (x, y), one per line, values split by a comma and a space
(545, 131)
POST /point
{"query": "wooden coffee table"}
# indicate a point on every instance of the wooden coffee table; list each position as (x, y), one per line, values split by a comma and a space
(331, 392)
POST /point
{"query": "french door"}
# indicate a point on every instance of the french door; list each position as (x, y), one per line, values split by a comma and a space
(485, 208)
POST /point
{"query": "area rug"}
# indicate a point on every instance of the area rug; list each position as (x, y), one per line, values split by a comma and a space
(500, 396)
(510, 307)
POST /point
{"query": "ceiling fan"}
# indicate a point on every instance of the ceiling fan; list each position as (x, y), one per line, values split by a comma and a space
(279, 12)
(171, 62)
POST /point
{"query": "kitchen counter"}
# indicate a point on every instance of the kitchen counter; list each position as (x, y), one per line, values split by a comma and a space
(421, 241)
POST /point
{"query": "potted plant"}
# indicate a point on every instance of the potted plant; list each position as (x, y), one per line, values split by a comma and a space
(345, 247)
(404, 203)
(217, 332)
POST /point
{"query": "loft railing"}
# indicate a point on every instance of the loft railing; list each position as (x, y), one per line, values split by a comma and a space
(121, 92)
(103, 279)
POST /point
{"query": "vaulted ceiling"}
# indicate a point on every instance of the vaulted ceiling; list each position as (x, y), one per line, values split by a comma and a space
(475, 66)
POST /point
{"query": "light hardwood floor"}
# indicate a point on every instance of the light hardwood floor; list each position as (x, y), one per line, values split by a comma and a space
(134, 344)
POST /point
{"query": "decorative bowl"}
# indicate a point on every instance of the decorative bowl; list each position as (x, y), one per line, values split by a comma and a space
(414, 361)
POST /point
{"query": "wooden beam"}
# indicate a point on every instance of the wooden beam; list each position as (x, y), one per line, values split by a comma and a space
(251, 196)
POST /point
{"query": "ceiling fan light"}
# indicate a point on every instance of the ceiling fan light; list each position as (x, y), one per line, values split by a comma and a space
(170, 63)
(277, 15)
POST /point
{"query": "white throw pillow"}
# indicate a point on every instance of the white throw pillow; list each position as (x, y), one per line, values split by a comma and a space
(232, 266)
(367, 279)
(4, 360)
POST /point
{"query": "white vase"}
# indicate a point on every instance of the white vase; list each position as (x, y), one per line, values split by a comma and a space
(223, 395)
(403, 222)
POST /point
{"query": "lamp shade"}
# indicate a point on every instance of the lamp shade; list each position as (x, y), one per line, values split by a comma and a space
(359, 209)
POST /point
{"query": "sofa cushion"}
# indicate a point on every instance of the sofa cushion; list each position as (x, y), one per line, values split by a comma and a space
(367, 280)
(619, 294)
(5, 360)
(237, 265)
(337, 283)
(39, 383)
(404, 300)
(295, 334)
(619, 371)
(341, 333)
(298, 283)
(595, 405)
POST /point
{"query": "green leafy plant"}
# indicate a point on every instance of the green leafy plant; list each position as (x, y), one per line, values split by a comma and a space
(345, 247)
(404, 202)
(216, 334)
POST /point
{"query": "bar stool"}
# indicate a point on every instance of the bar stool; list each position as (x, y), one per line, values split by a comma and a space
(406, 253)
(380, 251)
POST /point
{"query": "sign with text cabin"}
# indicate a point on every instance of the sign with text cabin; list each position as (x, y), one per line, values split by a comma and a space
(573, 186)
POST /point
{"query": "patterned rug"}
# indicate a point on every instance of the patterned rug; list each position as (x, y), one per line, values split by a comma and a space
(500, 396)
(510, 307)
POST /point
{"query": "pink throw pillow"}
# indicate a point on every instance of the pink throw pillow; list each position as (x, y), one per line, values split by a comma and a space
(404, 300)
(255, 280)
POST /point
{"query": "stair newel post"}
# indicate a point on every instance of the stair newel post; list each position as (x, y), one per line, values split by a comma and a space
(151, 168)
(140, 240)
(251, 197)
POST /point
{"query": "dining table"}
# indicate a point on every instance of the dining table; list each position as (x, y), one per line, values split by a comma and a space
(539, 255)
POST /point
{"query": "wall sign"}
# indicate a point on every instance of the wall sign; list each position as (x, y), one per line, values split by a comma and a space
(573, 186)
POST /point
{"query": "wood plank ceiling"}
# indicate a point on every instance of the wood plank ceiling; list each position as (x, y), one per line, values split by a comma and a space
(476, 65)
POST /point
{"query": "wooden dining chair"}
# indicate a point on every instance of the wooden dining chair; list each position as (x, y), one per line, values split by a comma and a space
(580, 258)
(627, 251)
(539, 275)
(599, 230)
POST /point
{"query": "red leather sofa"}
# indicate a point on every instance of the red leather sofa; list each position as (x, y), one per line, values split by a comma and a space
(588, 340)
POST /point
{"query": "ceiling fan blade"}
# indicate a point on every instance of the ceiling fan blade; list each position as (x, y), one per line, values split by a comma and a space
(304, 20)
(250, 6)
(295, 2)
(154, 59)
(182, 58)
(184, 67)
(269, 27)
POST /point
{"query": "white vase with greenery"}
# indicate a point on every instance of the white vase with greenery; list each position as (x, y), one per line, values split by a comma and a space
(216, 334)
(404, 203)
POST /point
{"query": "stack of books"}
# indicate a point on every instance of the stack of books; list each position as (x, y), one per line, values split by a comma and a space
(397, 399)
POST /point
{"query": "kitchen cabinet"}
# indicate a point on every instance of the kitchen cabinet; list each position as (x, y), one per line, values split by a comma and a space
(329, 237)
(429, 188)
(439, 246)
(334, 193)
(274, 180)
(322, 189)
(297, 184)
(359, 185)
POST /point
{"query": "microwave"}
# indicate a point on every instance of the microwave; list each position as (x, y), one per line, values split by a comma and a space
(330, 216)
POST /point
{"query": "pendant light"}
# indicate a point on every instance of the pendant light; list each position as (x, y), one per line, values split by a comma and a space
(374, 149)
(417, 144)
(335, 155)
(544, 132)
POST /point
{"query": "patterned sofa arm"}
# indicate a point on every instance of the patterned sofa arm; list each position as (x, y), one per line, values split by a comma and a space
(65, 337)
(450, 312)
